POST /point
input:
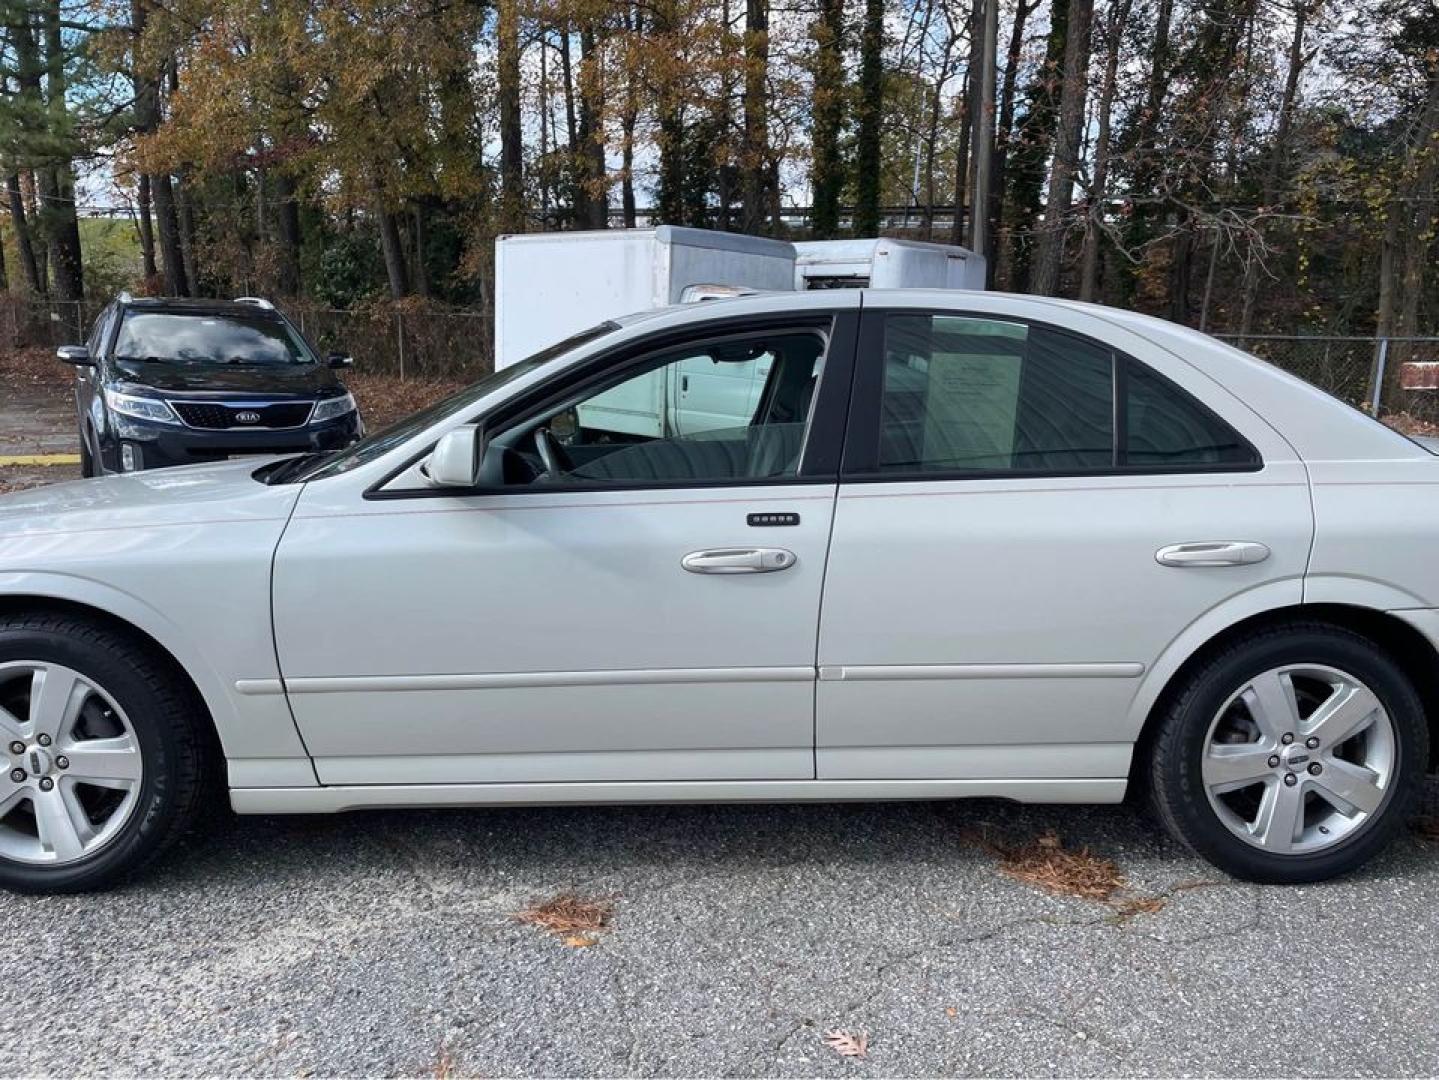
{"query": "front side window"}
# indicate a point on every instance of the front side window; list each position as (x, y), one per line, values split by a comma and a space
(732, 410)
(966, 395)
(155, 337)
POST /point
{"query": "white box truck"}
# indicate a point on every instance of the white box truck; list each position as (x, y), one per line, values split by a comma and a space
(885, 263)
(552, 285)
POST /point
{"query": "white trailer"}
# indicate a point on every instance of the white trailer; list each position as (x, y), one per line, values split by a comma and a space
(551, 285)
(885, 263)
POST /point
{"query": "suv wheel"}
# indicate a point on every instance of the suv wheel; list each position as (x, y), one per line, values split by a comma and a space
(102, 754)
(1294, 755)
(87, 459)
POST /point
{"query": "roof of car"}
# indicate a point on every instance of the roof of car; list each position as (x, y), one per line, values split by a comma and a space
(195, 305)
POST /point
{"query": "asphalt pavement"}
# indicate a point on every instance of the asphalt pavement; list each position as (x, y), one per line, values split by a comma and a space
(386, 944)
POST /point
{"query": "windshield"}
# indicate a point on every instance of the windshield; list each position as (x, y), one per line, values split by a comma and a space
(374, 446)
(156, 337)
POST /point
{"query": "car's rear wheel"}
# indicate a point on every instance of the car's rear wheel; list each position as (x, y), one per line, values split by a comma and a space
(103, 754)
(1294, 754)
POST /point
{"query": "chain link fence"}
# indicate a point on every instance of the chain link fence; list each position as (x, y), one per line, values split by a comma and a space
(1373, 374)
(396, 340)
(424, 343)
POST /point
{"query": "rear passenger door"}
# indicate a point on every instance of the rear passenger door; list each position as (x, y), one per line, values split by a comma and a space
(995, 588)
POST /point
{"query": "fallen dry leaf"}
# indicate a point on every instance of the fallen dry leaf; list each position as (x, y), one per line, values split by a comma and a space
(1047, 864)
(581, 941)
(847, 1043)
(570, 916)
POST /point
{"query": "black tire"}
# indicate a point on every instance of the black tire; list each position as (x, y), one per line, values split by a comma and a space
(175, 747)
(87, 459)
(1174, 768)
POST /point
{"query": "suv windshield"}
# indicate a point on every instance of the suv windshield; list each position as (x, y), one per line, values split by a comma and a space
(156, 337)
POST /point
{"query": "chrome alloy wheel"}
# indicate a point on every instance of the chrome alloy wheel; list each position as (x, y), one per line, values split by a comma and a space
(72, 765)
(1300, 758)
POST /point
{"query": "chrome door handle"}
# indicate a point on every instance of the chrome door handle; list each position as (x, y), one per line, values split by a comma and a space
(755, 560)
(1212, 553)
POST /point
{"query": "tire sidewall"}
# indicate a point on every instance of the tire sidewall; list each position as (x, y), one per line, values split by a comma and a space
(1179, 772)
(143, 707)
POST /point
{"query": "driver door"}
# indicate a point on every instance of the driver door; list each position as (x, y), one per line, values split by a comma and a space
(593, 611)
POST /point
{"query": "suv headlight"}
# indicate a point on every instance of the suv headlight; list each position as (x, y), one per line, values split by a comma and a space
(333, 407)
(141, 408)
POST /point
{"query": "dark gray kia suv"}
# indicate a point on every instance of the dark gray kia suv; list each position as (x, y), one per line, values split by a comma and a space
(174, 382)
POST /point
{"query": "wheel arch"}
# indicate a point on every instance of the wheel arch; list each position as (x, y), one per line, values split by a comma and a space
(23, 603)
(1405, 643)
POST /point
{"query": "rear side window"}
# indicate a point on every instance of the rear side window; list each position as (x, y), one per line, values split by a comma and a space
(962, 395)
(1164, 426)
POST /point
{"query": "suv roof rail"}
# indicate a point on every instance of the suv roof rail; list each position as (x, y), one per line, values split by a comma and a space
(258, 301)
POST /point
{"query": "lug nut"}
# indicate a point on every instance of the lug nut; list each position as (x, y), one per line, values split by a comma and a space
(1312, 742)
(46, 784)
(43, 740)
(1290, 779)
(1287, 738)
(17, 748)
(1315, 769)
(1274, 762)
(17, 775)
(62, 762)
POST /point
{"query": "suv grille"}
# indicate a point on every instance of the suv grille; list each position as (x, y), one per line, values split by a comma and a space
(216, 417)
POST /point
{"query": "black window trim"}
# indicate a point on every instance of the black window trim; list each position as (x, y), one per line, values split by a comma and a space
(861, 445)
(824, 438)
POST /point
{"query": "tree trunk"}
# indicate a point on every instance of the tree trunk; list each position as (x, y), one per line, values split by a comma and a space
(1420, 206)
(591, 159)
(983, 134)
(145, 225)
(287, 210)
(1099, 182)
(394, 253)
(1004, 134)
(826, 174)
(754, 144)
(957, 226)
(421, 275)
(185, 209)
(147, 120)
(63, 225)
(23, 244)
(507, 64)
(868, 147)
(1065, 164)
(1032, 146)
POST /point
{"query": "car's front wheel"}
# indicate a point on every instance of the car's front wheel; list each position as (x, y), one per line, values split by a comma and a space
(1294, 754)
(103, 754)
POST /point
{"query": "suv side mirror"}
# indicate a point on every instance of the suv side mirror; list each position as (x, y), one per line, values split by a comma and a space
(339, 360)
(75, 354)
(455, 460)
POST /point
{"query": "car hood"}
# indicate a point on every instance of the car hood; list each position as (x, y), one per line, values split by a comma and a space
(188, 496)
(300, 380)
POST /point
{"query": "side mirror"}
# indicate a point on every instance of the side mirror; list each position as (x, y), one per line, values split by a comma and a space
(75, 354)
(455, 460)
(339, 360)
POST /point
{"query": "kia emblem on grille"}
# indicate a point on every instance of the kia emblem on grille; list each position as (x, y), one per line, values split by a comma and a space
(246, 416)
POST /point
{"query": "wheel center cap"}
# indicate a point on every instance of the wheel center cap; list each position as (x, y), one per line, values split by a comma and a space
(1295, 757)
(39, 761)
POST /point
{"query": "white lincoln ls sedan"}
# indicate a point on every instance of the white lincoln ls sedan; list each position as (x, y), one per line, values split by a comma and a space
(833, 545)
